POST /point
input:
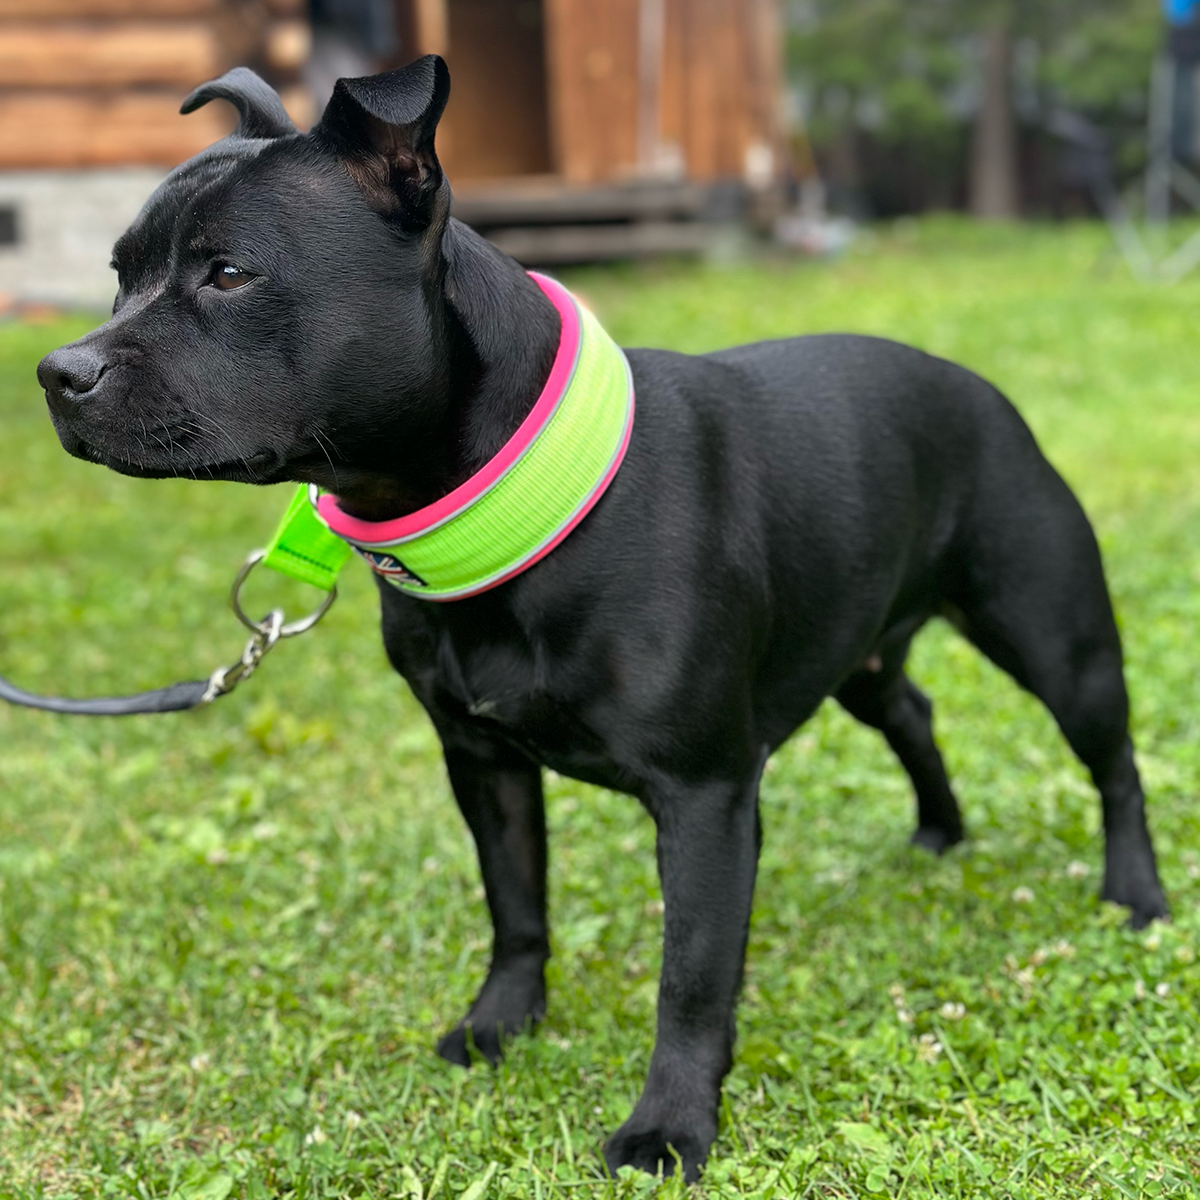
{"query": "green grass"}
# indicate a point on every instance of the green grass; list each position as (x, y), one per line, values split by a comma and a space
(229, 939)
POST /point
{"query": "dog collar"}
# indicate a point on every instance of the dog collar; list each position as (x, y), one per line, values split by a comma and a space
(514, 510)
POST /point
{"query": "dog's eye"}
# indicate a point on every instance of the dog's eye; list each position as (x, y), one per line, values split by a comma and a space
(227, 277)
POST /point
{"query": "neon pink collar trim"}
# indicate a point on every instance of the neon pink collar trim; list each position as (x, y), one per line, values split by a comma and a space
(402, 529)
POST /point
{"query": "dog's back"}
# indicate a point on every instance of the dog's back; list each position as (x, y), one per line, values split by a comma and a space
(844, 484)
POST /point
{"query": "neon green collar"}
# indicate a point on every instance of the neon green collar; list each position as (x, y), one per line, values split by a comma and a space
(510, 513)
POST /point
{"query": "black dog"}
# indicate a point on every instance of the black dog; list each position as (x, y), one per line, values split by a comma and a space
(302, 307)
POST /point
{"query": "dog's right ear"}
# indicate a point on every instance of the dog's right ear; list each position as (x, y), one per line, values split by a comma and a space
(382, 127)
(262, 112)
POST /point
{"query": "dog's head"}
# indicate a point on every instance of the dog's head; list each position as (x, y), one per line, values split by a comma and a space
(276, 305)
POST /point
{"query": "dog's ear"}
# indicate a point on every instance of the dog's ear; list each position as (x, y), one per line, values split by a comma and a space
(382, 128)
(262, 112)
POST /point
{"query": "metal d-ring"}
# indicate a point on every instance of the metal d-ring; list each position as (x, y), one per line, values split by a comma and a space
(292, 628)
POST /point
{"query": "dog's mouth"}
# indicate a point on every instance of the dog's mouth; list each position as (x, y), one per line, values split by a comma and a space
(175, 440)
(262, 467)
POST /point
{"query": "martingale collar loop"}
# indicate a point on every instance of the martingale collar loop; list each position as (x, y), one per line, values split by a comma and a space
(515, 509)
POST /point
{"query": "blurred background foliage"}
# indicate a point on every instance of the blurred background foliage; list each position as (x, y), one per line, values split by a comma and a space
(890, 93)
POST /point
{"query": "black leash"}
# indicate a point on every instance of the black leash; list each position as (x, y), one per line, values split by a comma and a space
(176, 698)
(198, 693)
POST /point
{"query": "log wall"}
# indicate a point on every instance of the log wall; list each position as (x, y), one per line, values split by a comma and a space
(86, 83)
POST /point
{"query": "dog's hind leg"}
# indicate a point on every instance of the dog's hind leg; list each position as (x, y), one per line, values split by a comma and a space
(1035, 602)
(887, 700)
(1079, 679)
(500, 793)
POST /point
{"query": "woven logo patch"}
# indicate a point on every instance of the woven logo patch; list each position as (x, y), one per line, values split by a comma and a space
(389, 567)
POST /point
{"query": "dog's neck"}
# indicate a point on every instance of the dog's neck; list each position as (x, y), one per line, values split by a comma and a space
(495, 334)
(511, 332)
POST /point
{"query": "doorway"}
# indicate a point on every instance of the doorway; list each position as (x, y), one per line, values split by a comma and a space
(497, 122)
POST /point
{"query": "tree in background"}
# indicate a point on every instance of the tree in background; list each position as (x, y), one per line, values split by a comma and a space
(994, 188)
(943, 87)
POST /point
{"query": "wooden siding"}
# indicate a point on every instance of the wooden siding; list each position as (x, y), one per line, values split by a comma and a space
(720, 78)
(592, 52)
(496, 125)
(99, 82)
(721, 86)
(70, 55)
(101, 10)
(49, 10)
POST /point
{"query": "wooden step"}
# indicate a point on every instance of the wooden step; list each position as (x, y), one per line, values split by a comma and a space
(549, 202)
(549, 244)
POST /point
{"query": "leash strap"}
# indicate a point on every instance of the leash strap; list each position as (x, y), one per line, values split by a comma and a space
(299, 551)
(302, 549)
(176, 698)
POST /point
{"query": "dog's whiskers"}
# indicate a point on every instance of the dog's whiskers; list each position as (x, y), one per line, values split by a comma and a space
(321, 441)
(154, 438)
(213, 425)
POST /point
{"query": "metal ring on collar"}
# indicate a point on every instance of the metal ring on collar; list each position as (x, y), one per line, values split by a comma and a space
(292, 628)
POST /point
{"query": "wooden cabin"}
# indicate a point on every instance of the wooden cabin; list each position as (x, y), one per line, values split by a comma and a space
(604, 124)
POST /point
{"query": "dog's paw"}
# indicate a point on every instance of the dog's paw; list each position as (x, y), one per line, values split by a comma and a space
(506, 1006)
(1145, 904)
(1133, 882)
(658, 1147)
(935, 838)
(465, 1044)
(472, 1039)
(1139, 918)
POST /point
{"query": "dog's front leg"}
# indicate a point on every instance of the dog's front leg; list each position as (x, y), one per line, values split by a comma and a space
(708, 841)
(500, 793)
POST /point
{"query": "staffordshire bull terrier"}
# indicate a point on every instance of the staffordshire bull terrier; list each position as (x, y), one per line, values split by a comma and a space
(786, 517)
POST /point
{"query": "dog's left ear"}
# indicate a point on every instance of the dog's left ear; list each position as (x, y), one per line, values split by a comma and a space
(258, 104)
(382, 128)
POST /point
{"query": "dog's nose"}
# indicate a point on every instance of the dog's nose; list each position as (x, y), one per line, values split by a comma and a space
(69, 372)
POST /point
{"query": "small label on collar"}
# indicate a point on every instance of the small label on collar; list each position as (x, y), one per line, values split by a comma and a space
(389, 567)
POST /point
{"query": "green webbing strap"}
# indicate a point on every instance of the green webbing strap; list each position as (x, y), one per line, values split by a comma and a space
(305, 549)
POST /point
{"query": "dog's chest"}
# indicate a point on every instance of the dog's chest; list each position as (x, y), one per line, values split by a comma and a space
(505, 683)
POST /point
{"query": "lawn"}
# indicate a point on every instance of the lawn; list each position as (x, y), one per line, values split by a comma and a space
(228, 940)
